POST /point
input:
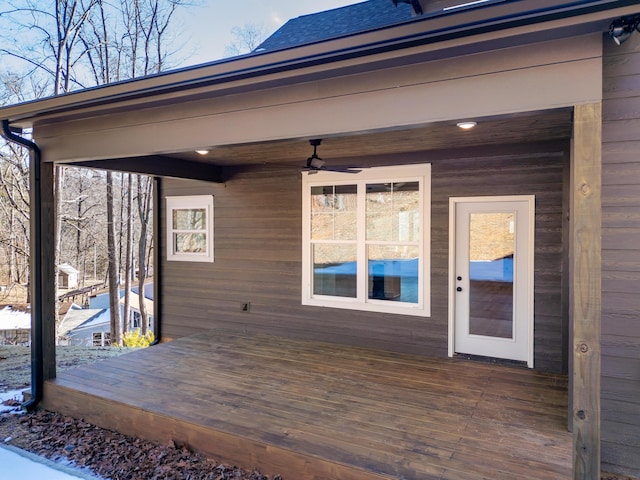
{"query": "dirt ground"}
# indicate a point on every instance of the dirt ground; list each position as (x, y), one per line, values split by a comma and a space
(15, 362)
(108, 454)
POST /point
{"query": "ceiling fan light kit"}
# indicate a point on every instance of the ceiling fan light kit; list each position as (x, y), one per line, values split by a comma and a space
(316, 164)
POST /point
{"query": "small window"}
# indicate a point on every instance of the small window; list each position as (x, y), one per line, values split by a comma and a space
(135, 320)
(190, 228)
(366, 239)
(101, 339)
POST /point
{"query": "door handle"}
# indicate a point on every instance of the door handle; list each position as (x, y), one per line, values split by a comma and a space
(459, 289)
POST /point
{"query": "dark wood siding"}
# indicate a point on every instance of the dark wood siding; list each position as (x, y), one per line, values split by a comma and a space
(621, 258)
(258, 234)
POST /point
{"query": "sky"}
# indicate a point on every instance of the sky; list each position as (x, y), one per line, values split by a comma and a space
(207, 26)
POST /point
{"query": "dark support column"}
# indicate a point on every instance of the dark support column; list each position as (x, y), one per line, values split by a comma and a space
(586, 294)
(48, 269)
(157, 267)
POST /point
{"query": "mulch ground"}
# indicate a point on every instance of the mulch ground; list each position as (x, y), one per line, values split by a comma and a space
(110, 454)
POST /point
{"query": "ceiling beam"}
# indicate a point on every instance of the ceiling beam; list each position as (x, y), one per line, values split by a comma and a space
(159, 166)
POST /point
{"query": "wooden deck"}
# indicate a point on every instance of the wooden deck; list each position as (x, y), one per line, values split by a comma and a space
(311, 410)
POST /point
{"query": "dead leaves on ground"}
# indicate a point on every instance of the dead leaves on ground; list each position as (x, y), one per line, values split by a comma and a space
(119, 457)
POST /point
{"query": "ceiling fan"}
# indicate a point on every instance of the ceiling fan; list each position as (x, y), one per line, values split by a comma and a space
(316, 164)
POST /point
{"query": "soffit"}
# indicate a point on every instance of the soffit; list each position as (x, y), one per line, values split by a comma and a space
(521, 128)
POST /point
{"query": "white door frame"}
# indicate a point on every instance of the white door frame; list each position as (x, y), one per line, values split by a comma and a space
(453, 201)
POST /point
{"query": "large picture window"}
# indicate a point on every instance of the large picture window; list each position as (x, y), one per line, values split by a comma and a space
(366, 239)
(190, 228)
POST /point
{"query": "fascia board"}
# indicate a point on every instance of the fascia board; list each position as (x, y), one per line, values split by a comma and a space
(450, 30)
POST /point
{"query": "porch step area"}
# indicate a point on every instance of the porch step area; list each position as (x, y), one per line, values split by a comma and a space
(323, 411)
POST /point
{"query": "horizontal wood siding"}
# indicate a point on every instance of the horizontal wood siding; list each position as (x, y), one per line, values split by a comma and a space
(258, 235)
(621, 258)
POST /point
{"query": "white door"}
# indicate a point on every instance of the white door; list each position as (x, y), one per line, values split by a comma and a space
(491, 265)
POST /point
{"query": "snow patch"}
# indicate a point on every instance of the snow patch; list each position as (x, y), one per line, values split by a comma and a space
(11, 395)
(17, 463)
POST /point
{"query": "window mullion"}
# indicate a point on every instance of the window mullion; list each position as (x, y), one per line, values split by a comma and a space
(362, 270)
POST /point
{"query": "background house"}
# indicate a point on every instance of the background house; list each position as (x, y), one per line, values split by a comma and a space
(134, 306)
(85, 327)
(15, 325)
(91, 325)
(67, 276)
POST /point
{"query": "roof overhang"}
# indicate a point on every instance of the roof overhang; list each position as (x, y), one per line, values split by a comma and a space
(496, 25)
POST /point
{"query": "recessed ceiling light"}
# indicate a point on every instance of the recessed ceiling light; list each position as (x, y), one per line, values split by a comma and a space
(466, 125)
(202, 152)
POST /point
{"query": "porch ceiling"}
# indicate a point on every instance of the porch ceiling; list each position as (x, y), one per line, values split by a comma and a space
(526, 127)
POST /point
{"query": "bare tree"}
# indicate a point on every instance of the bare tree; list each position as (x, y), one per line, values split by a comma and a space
(14, 192)
(56, 28)
(114, 277)
(14, 212)
(128, 253)
(136, 47)
(58, 46)
(53, 30)
(246, 39)
(144, 201)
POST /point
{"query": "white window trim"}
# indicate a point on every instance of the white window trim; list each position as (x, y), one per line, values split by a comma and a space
(402, 173)
(190, 202)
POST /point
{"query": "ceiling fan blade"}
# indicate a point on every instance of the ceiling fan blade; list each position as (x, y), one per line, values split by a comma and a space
(331, 169)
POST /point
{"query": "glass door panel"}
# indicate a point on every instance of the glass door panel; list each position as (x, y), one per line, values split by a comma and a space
(491, 249)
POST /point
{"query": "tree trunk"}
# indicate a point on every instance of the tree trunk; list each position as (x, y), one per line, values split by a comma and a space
(57, 195)
(79, 249)
(144, 210)
(128, 253)
(114, 281)
(13, 257)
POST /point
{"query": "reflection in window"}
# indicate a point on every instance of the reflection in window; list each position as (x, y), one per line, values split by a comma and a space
(335, 268)
(334, 213)
(393, 273)
(393, 211)
(190, 242)
(190, 228)
(189, 219)
(491, 250)
(365, 240)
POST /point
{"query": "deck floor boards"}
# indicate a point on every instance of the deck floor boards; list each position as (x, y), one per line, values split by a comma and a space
(315, 410)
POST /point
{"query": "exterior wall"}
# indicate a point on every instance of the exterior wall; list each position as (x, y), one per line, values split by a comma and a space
(84, 337)
(15, 337)
(258, 229)
(621, 258)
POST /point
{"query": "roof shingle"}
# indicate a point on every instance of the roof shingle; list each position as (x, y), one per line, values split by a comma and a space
(348, 20)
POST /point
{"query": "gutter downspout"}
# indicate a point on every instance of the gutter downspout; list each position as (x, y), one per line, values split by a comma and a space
(37, 341)
(157, 267)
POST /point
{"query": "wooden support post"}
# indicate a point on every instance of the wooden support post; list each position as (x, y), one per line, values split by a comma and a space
(157, 266)
(42, 272)
(586, 296)
(48, 269)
